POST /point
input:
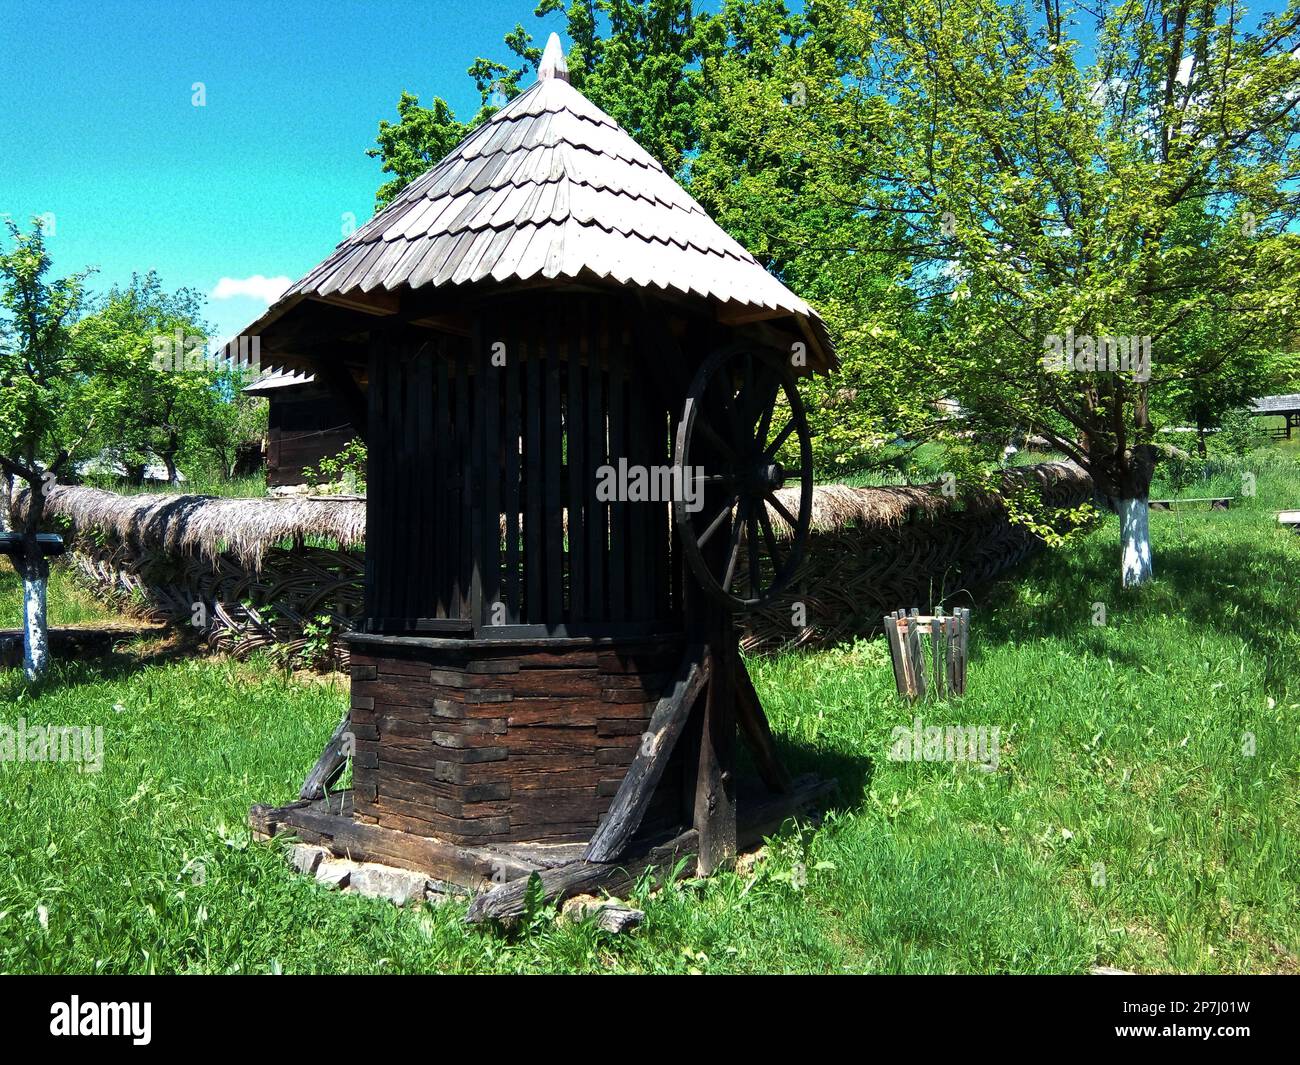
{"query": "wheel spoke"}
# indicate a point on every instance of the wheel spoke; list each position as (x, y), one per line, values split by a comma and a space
(734, 556)
(780, 507)
(765, 421)
(751, 543)
(781, 438)
(717, 521)
(769, 537)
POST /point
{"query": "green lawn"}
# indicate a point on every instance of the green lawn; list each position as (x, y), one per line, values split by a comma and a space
(1125, 825)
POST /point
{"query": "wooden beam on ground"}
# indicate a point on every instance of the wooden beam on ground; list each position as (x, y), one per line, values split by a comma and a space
(582, 878)
(328, 823)
(758, 821)
(329, 766)
(757, 732)
(643, 775)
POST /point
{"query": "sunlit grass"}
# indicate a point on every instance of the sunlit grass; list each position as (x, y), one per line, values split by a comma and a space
(1128, 822)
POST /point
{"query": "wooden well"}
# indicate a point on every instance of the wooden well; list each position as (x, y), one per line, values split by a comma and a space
(543, 665)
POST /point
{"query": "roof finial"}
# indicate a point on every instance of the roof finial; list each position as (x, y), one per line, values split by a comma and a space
(553, 64)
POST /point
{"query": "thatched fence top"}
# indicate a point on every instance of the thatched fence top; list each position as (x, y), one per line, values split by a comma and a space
(837, 507)
(206, 525)
(248, 528)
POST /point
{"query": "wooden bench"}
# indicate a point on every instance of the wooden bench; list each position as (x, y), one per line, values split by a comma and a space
(1289, 518)
(1216, 503)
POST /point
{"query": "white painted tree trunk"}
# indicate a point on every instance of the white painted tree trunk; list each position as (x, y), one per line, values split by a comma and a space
(1135, 536)
(36, 638)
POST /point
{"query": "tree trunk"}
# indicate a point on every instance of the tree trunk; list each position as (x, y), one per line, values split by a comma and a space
(1135, 540)
(170, 461)
(36, 636)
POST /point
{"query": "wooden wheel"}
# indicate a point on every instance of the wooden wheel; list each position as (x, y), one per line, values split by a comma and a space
(742, 435)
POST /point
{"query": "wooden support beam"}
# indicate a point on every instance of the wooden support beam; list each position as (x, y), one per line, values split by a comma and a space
(757, 733)
(647, 768)
(715, 783)
(329, 767)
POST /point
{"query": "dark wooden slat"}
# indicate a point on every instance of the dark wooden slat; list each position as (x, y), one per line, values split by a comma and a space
(511, 495)
(374, 470)
(597, 512)
(639, 514)
(554, 468)
(534, 531)
(476, 476)
(490, 477)
(460, 517)
(441, 541)
(658, 741)
(618, 509)
(398, 496)
(576, 440)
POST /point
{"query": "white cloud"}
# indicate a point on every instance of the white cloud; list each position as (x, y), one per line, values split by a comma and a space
(265, 289)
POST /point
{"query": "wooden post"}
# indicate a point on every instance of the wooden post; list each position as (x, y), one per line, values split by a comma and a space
(715, 783)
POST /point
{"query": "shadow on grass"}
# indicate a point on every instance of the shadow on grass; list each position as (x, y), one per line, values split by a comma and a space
(119, 664)
(1232, 586)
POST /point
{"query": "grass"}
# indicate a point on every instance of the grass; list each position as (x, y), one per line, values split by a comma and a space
(252, 486)
(67, 601)
(1126, 825)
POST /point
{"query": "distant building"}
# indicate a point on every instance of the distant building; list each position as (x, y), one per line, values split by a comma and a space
(1285, 407)
(306, 423)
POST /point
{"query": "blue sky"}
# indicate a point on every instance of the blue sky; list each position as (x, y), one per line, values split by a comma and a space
(97, 126)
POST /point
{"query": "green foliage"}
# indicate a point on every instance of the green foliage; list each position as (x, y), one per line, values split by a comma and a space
(420, 137)
(47, 397)
(341, 474)
(1240, 433)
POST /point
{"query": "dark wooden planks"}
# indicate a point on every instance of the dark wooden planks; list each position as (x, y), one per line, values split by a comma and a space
(534, 547)
(511, 494)
(553, 467)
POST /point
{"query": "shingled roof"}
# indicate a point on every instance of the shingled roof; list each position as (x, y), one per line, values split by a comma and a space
(553, 188)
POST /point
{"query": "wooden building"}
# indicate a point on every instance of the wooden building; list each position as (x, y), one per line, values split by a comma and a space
(580, 400)
(306, 422)
(1286, 407)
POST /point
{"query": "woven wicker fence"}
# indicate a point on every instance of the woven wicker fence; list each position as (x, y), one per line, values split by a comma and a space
(872, 550)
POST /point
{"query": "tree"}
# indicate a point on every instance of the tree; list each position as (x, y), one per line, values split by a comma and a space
(639, 72)
(1080, 229)
(420, 137)
(42, 374)
(155, 374)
